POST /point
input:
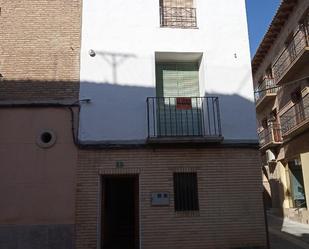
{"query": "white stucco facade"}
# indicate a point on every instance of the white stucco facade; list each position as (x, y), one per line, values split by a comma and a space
(126, 36)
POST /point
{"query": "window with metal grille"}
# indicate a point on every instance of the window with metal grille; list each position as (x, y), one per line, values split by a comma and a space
(186, 192)
(178, 14)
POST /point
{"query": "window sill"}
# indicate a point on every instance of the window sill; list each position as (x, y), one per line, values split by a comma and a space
(175, 27)
(187, 213)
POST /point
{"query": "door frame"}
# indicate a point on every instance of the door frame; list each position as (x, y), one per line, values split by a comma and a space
(292, 186)
(100, 197)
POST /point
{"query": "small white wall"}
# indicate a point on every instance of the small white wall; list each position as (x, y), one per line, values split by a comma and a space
(131, 30)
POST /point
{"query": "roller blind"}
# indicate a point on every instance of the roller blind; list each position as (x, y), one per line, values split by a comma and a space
(178, 80)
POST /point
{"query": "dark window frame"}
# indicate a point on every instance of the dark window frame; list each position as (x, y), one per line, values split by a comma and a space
(186, 191)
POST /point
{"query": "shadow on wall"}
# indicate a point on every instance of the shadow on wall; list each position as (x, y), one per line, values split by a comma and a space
(238, 117)
(113, 59)
(119, 112)
(266, 190)
(116, 112)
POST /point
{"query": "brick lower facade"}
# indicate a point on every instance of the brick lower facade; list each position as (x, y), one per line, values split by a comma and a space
(230, 196)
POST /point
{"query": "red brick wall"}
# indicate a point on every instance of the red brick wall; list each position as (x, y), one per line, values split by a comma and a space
(230, 196)
(39, 52)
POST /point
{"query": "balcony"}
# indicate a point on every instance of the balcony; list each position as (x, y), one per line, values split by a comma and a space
(265, 92)
(294, 56)
(178, 17)
(270, 137)
(296, 119)
(183, 119)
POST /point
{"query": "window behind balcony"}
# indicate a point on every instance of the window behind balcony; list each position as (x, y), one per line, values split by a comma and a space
(178, 104)
(178, 13)
(177, 79)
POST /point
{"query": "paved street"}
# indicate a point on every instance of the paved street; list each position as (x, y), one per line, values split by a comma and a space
(286, 234)
(277, 242)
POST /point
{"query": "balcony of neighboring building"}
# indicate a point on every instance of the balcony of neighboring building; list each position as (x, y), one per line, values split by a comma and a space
(178, 14)
(295, 119)
(270, 136)
(265, 93)
(183, 119)
(294, 56)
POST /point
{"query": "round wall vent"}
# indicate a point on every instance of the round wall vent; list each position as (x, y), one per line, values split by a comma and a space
(46, 139)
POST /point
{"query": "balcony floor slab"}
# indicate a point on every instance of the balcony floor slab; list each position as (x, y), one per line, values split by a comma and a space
(185, 140)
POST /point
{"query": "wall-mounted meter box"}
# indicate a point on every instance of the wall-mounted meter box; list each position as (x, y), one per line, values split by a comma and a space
(160, 199)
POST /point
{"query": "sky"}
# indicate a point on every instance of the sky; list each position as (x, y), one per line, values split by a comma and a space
(260, 14)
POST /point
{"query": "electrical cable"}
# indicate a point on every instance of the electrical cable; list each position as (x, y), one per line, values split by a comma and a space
(285, 84)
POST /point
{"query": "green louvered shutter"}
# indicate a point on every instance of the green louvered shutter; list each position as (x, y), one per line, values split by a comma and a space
(178, 80)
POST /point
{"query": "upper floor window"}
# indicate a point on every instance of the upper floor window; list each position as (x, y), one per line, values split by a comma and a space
(296, 95)
(269, 73)
(178, 13)
(264, 123)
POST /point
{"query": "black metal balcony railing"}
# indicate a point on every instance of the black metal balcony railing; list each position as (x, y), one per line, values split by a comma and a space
(294, 48)
(271, 135)
(183, 117)
(268, 86)
(295, 115)
(178, 17)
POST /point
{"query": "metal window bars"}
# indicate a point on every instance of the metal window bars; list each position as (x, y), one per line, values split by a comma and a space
(272, 134)
(178, 17)
(295, 115)
(296, 45)
(267, 86)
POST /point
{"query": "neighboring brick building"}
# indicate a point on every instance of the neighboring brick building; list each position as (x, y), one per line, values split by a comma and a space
(281, 76)
(40, 46)
(39, 85)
